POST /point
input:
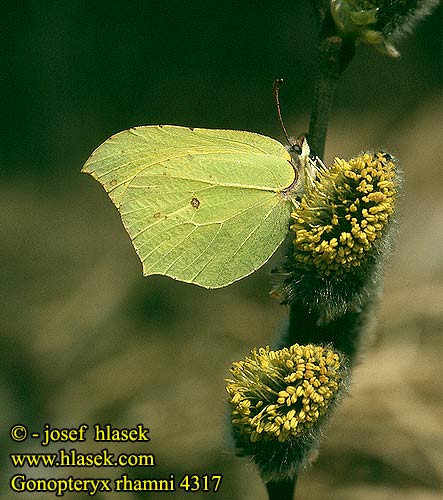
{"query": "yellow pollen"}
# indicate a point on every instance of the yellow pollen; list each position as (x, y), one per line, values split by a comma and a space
(265, 407)
(343, 213)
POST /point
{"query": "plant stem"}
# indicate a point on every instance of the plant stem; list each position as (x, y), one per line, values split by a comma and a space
(335, 53)
(283, 489)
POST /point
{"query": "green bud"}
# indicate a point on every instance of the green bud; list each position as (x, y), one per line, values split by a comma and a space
(379, 22)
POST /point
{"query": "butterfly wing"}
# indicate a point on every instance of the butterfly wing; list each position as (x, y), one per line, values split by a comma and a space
(201, 206)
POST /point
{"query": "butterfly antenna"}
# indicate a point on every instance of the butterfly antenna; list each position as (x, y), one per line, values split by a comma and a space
(276, 88)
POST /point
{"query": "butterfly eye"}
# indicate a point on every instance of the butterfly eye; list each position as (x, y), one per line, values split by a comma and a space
(295, 149)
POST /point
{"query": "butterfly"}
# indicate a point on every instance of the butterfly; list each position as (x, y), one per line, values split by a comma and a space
(202, 206)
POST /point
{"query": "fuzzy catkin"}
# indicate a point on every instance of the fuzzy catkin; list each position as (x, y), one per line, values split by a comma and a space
(342, 231)
(280, 400)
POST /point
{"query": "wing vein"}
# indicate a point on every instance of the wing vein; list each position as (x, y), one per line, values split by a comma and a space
(159, 162)
(228, 262)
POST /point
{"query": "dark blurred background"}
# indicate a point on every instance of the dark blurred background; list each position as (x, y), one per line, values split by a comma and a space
(85, 338)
